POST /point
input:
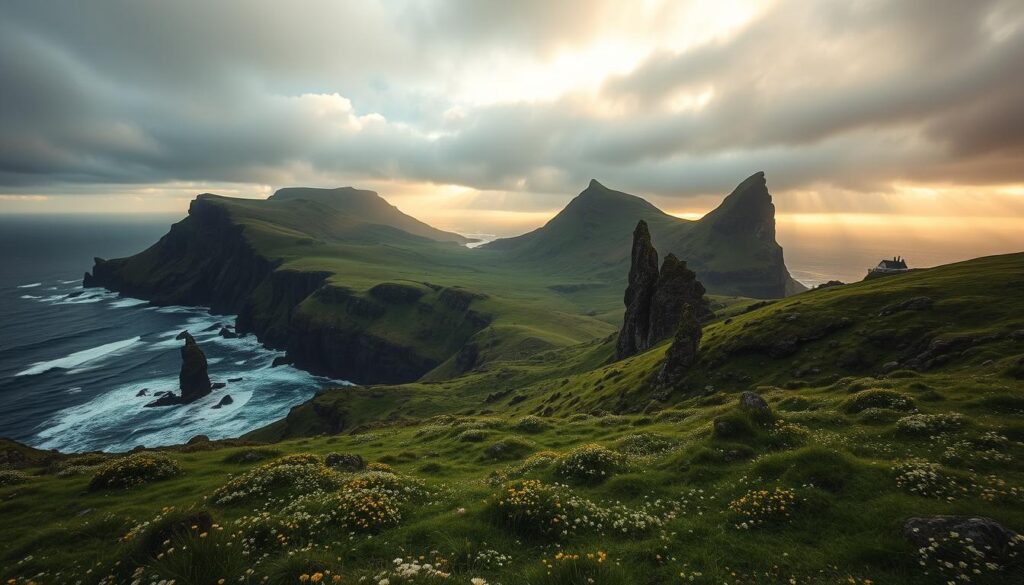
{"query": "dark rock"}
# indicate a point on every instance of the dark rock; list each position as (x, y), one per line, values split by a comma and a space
(682, 354)
(282, 360)
(227, 333)
(217, 385)
(165, 399)
(160, 393)
(143, 392)
(233, 380)
(198, 439)
(75, 294)
(214, 327)
(655, 298)
(996, 543)
(1017, 369)
(643, 275)
(345, 461)
(224, 401)
(183, 335)
(752, 401)
(193, 378)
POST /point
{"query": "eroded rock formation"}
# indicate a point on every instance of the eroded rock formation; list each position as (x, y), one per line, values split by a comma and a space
(655, 298)
(682, 354)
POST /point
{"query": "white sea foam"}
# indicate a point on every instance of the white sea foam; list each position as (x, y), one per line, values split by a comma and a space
(80, 358)
(119, 421)
(76, 281)
(30, 297)
(127, 302)
(32, 285)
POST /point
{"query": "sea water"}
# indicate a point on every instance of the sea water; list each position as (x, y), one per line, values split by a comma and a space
(73, 360)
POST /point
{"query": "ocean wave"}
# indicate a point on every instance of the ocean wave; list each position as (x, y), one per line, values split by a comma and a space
(79, 358)
(31, 285)
(127, 302)
(30, 297)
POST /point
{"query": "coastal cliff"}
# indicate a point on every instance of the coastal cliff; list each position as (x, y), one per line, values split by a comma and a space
(208, 259)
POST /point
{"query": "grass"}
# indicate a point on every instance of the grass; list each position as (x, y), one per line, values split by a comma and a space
(565, 467)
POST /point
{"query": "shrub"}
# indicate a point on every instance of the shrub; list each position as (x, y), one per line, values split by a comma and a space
(260, 482)
(378, 466)
(251, 456)
(473, 435)
(589, 464)
(297, 459)
(401, 487)
(133, 470)
(571, 568)
(12, 477)
(927, 479)
(530, 424)
(758, 508)
(356, 509)
(345, 461)
(642, 444)
(878, 398)
(787, 435)
(930, 424)
(149, 538)
(532, 509)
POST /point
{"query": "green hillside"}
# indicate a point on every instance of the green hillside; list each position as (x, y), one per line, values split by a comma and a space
(886, 401)
(353, 288)
(732, 249)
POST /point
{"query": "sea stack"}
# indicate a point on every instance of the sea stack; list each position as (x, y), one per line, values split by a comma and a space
(193, 380)
(655, 298)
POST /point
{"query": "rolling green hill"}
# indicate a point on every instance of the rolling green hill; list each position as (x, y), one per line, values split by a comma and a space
(732, 249)
(891, 416)
(353, 288)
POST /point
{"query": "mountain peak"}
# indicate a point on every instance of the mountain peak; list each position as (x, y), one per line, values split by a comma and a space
(747, 210)
(594, 184)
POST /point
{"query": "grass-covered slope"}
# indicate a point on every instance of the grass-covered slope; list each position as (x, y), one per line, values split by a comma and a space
(732, 249)
(353, 288)
(564, 468)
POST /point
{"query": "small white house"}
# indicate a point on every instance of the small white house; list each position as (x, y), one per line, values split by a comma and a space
(894, 266)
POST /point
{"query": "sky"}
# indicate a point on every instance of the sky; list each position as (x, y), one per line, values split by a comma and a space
(481, 116)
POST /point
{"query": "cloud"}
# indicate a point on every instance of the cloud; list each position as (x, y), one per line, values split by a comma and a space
(534, 98)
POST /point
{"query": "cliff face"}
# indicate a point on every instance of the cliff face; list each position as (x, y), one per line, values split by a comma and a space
(207, 260)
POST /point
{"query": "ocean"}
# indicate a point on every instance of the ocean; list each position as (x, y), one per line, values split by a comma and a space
(72, 361)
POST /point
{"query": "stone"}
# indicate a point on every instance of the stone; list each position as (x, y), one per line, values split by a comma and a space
(750, 400)
(198, 439)
(227, 333)
(282, 360)
(143, 392)
(217, 385)
(682, 354)
(233, 380)
(224, 401)
(345, 461)
(996, 541)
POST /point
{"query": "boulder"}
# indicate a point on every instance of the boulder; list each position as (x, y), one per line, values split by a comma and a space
(217, 385)
(997, 543)
(227, 333)
(224, 401)
(198, 439)
(752, 401)
(143, 392)
(345, 461)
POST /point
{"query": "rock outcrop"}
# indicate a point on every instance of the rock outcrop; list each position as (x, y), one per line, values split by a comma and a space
(682, 354)
(193, 379)
(655, 298)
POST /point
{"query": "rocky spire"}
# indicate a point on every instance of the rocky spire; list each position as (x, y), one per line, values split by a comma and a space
(643, 276)
(193, 378)
(683, 352)
(655, 299)
(677, 286)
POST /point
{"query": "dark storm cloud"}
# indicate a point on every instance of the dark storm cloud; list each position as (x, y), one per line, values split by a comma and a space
(851, 94)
